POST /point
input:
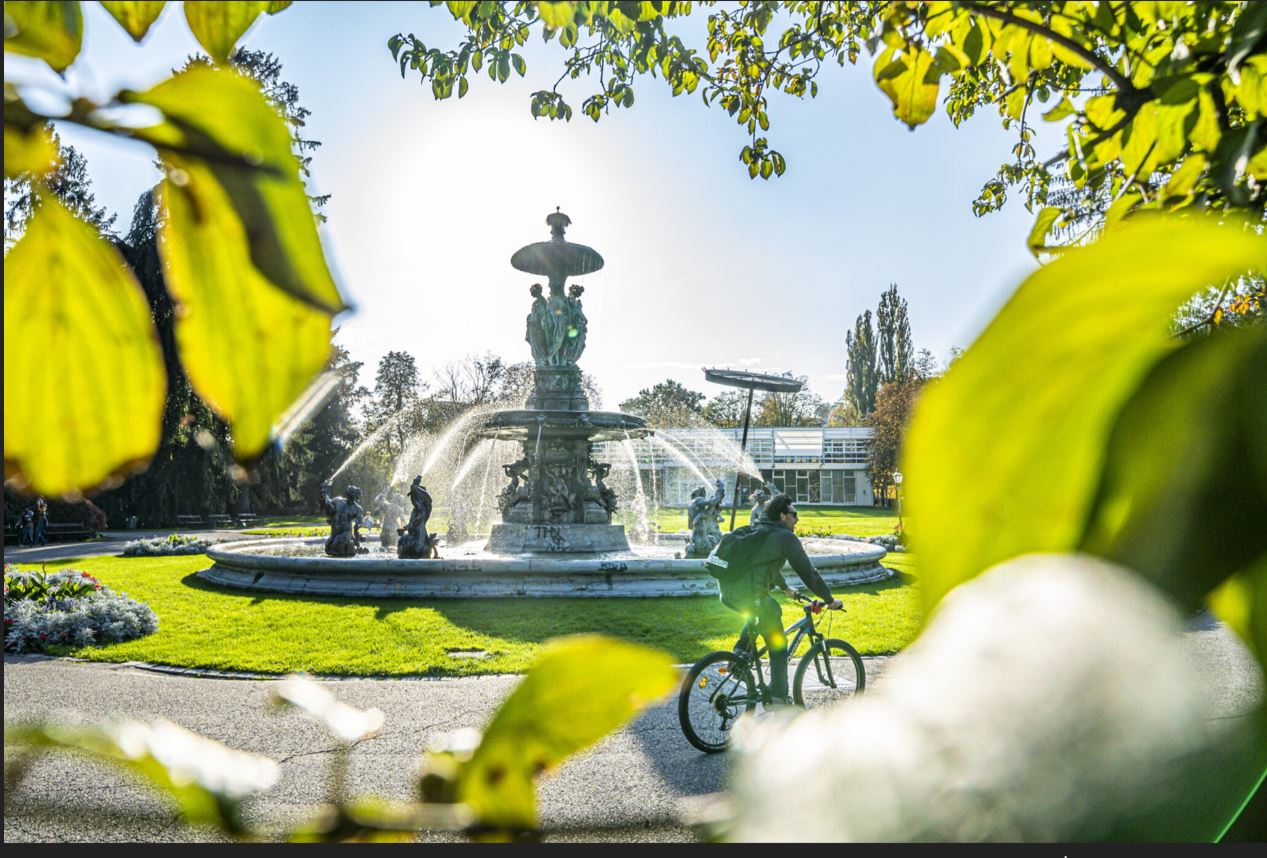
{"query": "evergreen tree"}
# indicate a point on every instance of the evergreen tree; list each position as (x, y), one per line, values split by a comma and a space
(860, 371)
(396, 397)
(895, 349)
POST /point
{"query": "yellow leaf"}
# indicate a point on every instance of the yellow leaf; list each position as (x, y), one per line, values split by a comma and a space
(913, 99)
(249, 348)
(32, 153)
(50, 31)
(84, 402)
(223, 116)
(219, 25)
(579, 690)
(135, 16)
(1003, 454)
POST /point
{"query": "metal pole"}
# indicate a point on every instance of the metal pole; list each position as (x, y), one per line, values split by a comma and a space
(743, 448)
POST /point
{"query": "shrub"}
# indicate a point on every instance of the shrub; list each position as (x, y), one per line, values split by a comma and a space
(67, 608)
(160, 546)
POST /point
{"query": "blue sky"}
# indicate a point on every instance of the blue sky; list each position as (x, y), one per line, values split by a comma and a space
(704, 266)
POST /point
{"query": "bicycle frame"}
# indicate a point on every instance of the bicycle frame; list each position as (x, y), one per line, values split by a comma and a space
(795, 633)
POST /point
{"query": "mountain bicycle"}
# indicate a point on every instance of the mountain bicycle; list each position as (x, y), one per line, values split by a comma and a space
(724, 685)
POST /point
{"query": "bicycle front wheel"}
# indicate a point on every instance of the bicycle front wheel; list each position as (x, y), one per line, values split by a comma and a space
(830, 672)
(717, 690)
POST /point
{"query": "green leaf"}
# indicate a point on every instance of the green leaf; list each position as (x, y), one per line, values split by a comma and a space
(223, 116)
(50, 31)
(78, 328)
(579, 690)
(1241, 602)
(1042, 225)
(519, 64)
(914, 98)
(135, 16)
(1004, 452)
(1183, 495)
(1061, 110)
(1248, 35)
(207, 780)
(556, 14)
(249, 348)
(219, 25)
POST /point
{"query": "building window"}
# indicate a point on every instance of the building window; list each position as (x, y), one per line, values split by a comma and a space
(846, 451)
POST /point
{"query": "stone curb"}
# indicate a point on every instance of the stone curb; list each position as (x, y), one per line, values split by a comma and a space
(209, 673)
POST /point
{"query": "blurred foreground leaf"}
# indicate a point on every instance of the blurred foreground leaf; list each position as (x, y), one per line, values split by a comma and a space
(84, 403)
(222, 117)
(1005, 452)
(206, 779)
(218, 25)
(1183, 497)
(31, 153)
(248, 347)
(579, 690)
(347, 723)
(135, 16)
(50, 31)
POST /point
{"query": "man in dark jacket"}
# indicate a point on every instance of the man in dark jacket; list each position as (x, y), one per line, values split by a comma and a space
(752, 593)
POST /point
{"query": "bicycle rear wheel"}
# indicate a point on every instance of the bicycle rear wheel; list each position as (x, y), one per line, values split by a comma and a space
(829, 672)
(717, 690)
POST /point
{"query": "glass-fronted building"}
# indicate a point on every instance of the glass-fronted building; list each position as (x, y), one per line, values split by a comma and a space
(814, 465)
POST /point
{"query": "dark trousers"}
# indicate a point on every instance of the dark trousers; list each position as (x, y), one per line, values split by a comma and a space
(770, 627)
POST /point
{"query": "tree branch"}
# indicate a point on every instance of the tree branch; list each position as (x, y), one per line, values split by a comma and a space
(1122, 82)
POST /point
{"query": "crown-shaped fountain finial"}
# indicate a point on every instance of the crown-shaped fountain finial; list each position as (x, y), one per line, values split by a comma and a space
(558, 222)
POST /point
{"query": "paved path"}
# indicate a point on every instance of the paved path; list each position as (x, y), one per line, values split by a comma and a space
(112, 542)
(632, 786)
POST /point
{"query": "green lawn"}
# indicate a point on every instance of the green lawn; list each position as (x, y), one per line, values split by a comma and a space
(203, 626)
(854, 521)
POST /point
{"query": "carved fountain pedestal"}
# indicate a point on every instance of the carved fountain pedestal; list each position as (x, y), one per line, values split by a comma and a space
(557, 500)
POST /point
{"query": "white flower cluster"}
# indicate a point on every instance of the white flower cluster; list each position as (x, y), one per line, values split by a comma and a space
(96, 617)
(166, 546)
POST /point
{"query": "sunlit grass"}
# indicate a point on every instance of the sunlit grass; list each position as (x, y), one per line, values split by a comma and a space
(201, 626)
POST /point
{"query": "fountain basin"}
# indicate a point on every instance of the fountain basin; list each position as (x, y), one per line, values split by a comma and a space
(272, 565)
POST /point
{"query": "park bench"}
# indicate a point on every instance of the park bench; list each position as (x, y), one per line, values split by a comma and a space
(54, 531)
(184, 521)
(221, 520)
(245, 519)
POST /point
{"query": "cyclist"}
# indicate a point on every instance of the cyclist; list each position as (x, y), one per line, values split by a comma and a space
(751, 593)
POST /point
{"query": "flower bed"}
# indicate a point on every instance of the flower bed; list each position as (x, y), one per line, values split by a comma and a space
(166, 546)
(67, 608)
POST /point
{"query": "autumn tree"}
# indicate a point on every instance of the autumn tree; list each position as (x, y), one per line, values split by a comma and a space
(888, 422)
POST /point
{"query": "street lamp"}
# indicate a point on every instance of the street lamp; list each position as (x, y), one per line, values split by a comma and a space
(897, 481)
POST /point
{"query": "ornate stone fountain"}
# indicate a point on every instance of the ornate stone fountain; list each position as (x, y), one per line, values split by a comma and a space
(557, 500)
(556, 537)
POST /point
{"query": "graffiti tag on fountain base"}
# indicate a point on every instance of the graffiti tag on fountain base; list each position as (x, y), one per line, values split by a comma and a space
(553, 539)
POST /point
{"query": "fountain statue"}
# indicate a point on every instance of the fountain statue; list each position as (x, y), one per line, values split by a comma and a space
(704, 521)
(344, 514)
(759, 498)
(389, 518)
(557, 500)
(415, 543)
